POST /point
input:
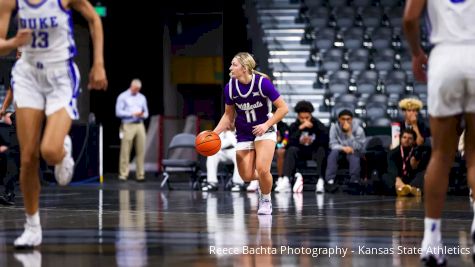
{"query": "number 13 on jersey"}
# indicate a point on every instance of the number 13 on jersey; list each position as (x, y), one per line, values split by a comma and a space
(39, 39)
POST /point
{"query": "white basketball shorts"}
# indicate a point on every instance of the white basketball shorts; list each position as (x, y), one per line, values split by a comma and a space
(46, 86)
(451, 80)
(249, 145)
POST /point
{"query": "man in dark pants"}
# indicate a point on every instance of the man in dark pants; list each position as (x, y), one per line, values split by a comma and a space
(308, 140)
(13, 163)
(347, 139)
(12, 154)
(406, 167)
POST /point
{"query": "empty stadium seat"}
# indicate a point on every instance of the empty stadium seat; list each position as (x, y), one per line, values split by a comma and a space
(375, 110)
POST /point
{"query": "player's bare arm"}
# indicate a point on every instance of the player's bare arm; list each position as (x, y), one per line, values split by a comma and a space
(97, 75)
(411, 26)
(227, 120)
(23, 36)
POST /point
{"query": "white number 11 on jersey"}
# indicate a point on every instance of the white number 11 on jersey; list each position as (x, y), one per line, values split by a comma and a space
(251, 115)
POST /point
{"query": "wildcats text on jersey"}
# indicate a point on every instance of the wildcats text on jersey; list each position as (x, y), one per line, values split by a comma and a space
(248, 106)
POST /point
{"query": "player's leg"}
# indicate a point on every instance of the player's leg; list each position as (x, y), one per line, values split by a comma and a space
(56, 145)
(29, 123)
(470, 157)
(60, 109)
(264, 155)
(246, 162)
(444, 147)
(57, 127)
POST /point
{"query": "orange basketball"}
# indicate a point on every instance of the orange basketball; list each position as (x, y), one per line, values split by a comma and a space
(207, 143)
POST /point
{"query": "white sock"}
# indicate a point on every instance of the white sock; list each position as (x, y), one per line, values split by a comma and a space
(432, 229)
(266, 196)
(33, 219)
(285, 178)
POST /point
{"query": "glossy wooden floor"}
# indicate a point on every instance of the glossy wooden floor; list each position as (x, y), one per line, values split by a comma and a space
(134, 224)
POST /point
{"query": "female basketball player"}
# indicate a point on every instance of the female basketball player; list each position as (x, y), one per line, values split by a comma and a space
(45, 81)
(250, 96)
(451, 96)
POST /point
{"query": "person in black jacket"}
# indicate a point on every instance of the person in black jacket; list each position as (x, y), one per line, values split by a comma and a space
(405, 167)
(308, 140)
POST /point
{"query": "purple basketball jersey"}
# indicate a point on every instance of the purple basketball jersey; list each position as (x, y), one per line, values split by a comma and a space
(253, 104)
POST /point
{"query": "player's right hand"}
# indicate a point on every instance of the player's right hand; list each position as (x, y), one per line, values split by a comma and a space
(23, 37)
(97, 78)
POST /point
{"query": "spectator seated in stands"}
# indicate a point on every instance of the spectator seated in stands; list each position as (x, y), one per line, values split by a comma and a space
(412, 120)
(405, 172)
(308, 140)
(346, 139)
(227, 154)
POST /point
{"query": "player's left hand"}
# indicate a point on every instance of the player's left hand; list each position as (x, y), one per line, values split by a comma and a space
(259, 129)
(97, 78)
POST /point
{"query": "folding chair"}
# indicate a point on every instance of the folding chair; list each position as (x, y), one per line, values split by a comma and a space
(184, 161)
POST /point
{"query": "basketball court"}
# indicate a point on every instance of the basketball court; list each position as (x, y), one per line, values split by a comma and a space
(132, 224)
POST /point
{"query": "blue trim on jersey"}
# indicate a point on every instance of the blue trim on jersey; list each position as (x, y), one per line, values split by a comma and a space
(62, 8)
(72, 47)
(75, 86)
(12, 82)
(35, 5)
(74, 79)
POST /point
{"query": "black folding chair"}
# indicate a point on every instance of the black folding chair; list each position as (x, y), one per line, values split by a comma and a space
(184, 161)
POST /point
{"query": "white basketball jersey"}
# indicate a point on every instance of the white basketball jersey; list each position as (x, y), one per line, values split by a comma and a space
(52, 37)
(452, 21)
